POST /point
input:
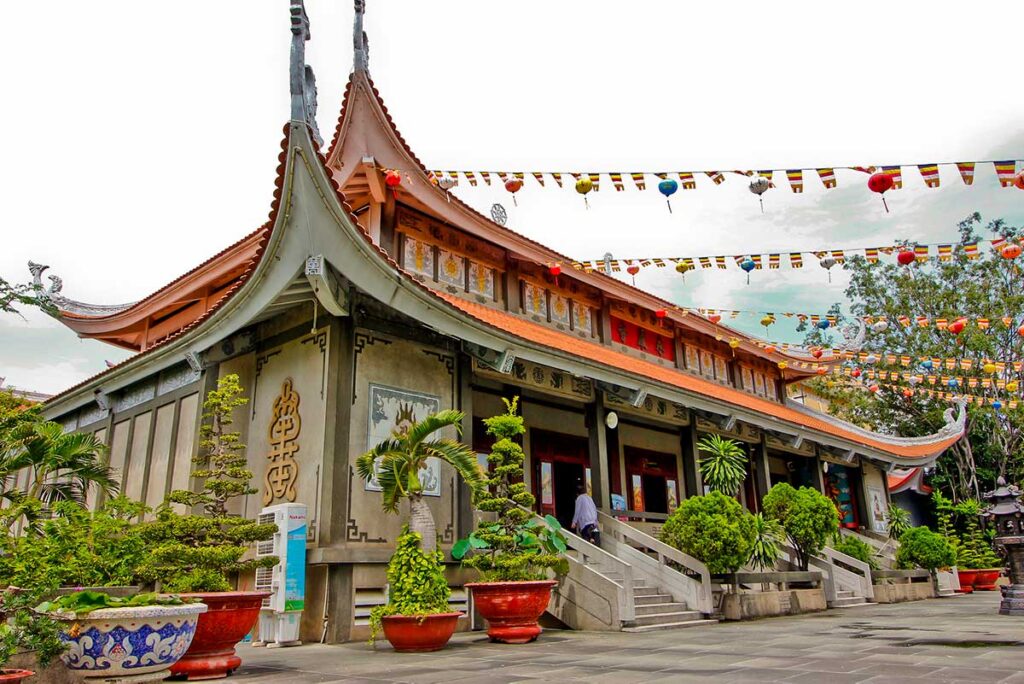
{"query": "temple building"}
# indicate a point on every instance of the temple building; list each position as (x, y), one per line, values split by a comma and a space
(376, 305)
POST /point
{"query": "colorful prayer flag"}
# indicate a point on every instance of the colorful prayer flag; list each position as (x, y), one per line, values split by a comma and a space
(921, 252)
(796, 260)
(720, 261)
(558, 178)
(617, 182)
(945, 252)
(773, 261)
(930, 174)
(966, 170)
(539, 177)
(595, 179)
(687, 181)
(897, 176)
(486, 175)
(971, 250)
(1005, 171)
(638, 180)
(871, 254)
(796, 179)
(471, 177)
(716, 176)
(828, 177)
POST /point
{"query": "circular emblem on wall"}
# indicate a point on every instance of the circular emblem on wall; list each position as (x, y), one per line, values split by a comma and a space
(498, 214)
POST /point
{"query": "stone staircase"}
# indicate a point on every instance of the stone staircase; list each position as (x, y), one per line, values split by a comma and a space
(655, 609)
(847, 599)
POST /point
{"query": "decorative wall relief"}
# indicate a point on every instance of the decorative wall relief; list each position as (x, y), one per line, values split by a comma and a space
(286, 424)
(393, 411)
(451, 269)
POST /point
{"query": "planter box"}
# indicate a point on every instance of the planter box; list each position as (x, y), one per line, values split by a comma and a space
(899, 593)
(751, 605)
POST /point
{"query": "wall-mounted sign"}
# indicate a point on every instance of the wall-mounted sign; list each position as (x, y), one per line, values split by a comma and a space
(283, 470)
(742, 431)
(534, 376)
(658, 409)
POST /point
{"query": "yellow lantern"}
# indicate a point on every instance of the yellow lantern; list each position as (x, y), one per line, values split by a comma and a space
(989, 367)
(1011, 386)
(767, 320)
(733, 342)
(783, 365)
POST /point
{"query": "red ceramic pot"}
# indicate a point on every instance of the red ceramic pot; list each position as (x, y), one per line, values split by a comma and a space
(985, 580)
(12, 676)
(512, 608)
(967, 580)
(230, 616)
(416, 634)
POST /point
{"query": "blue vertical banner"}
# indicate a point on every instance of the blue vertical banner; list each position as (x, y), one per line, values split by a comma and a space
(295, 565)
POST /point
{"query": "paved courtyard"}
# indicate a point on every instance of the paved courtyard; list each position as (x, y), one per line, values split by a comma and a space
(959, 639)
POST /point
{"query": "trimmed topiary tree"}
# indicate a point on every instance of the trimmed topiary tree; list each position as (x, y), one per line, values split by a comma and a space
(714, 529)
(855, 548)
(809, 518)
(922, 548)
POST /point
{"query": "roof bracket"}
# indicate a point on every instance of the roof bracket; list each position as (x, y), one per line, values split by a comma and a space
(633, 397)
(796, 441)
(195, 361)
(326, 285)
(491, 358)
(102, 399)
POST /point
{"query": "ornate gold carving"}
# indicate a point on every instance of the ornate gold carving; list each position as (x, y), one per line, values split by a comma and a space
(283, 470)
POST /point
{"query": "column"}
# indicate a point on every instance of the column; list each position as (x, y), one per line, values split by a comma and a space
(340, 602)
(761, 470)
(693, 483)
(598, 451)
(464, 522)
(334, 482)
(818, 476)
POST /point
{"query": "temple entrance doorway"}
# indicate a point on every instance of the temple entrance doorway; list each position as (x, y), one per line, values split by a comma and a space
(652, 481)
(560, 465)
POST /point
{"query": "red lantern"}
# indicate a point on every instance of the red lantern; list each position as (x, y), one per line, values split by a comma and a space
(1018, 181)
(957, 326)
(1020, 330)
(880, 182)
(855, 372)
(822, 371)
(873, 389)
(1010, 251)
(906, 257)
(907, 393)
(393, 179)
(632, 270)
(514, 185)
(555, 270)
(769, 349)
(660, 313)
(714, 318)
(817, 353)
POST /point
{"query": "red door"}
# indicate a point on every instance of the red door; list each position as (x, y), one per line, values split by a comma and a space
(652, 481)
(559, 467)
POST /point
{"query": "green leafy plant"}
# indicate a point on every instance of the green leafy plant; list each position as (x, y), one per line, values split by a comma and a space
(766, 549)
(416, 583)
(974, 551)
(723, 464)
(715, 529)
(922, 548)
(809, 518)
(24, 629)
(515, 546)
(396, 463)
(82, 603)
(191, 552)
(77, 548)
(897, 521)
(856, 548)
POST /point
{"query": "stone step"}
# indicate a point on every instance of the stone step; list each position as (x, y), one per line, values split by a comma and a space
(645, 591)
(669, 625)
(617, 577)
(654, 608)
(667, 618)
(848, 602)
(845, 594)
(651, 599)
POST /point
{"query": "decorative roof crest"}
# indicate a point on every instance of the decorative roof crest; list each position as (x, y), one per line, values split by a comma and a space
(65, 305)
(360, 43)
(302, 81)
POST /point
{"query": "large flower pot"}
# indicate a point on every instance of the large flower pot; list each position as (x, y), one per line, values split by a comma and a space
(12, 676)
(985, 580)
(128, 644)
(512, 608)
(230, 617)
(967, 580)
(413, 634)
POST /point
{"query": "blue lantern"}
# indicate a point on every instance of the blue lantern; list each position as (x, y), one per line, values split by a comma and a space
(927, 364)
(748, 265)
(668, 188)
(952, 382)
(823, 324)
(996, 404)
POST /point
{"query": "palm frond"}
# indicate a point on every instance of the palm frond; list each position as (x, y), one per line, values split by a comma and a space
(420, 430)
(460, 457)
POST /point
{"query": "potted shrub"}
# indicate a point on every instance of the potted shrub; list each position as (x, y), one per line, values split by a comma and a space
(922, 548)
(716, 530)
(137, 638)
(22, 629)
(808, 517)
(417, 616)
(512, 551)
(977, 564)
(196, 554)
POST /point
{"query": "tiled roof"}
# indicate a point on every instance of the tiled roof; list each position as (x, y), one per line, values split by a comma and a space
(903, 479)
(553, 339)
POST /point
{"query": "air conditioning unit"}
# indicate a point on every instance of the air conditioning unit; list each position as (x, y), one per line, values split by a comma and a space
(286, 581)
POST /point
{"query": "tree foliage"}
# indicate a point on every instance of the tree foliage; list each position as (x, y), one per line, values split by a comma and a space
(922, 548)
(988, 287)
(809, 518)
(191, 552)
(715, 529)
(723, 464)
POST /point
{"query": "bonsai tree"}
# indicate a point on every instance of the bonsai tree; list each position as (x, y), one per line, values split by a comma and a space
(396, 462)
(198, 553)
(416, 582)
(723, 464)
(922, 548)
(715, 529)
(765, 550)
(23, 628)
(974, 551)
(514, 547)
(809, 518)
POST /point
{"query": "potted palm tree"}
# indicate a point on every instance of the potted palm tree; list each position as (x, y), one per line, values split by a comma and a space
(416, 617)
(198, 555)
(513, 551)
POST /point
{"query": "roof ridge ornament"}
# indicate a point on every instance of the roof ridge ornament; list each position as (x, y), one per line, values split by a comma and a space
(360, 43)
(302, 81)
(65, 305)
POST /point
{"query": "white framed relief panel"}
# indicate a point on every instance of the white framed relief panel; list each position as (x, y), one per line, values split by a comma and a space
(392, 411)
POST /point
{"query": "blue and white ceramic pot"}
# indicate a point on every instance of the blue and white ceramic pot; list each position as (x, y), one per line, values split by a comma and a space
(128, 644)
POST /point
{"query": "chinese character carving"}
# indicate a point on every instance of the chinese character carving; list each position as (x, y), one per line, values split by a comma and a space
(283, 470)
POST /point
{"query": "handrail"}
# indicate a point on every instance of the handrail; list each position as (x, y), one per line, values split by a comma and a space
(861, 569)
(622, 532)
(587, 551)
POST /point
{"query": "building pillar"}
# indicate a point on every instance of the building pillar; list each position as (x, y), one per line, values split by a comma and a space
(597, 440)
(693, 483)
(760, 468)
(335, 469)
(340, 603)
(464, 522)
(818, 476)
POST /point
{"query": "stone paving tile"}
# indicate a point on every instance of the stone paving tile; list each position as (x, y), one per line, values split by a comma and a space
(959, 674)
(832, 678)
(893, 670)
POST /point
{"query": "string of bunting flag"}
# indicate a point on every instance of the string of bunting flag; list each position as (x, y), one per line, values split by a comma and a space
(943, 395)
(826, 258)
(882, 358)
(954, 324)
(590, 181)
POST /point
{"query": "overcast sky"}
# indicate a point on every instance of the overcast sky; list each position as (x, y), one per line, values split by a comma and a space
(141, 137)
